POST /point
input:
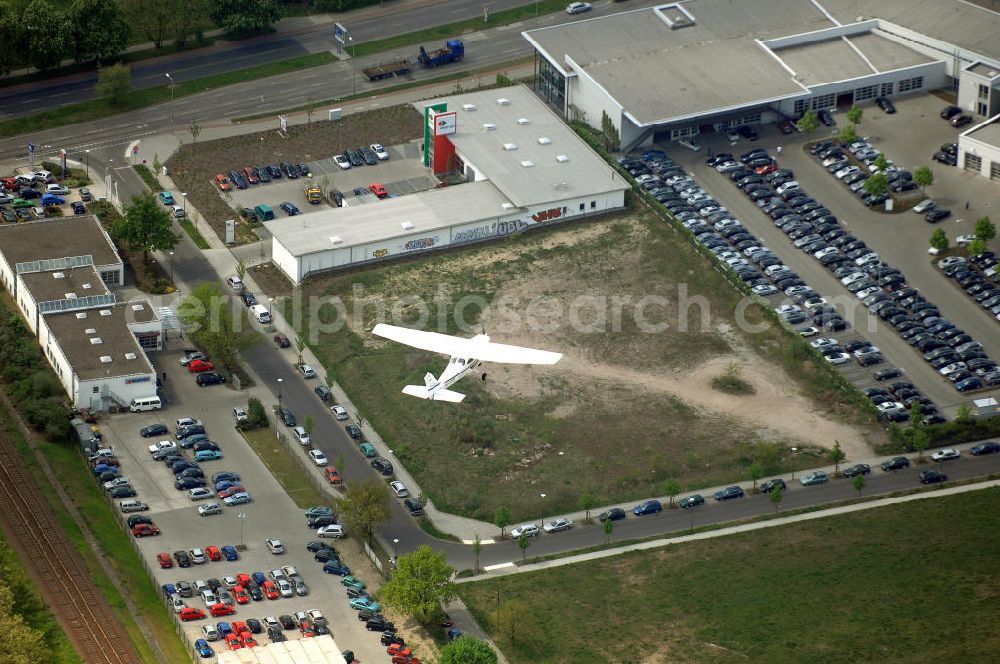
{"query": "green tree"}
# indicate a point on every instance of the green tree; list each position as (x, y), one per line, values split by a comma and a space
(985, 230)
(587, 503)
(881, 163)
(157, 166)
(49, 34)
(670, 488)
(195, 129)
(854, 114)
(501, 519)
(114, 84)
(939, 240)
(256, 414)
(776, 496)
(12, 39)
(808, 123)
(848, 134)
(876, 185)
(977, 246)
(837, 456)
(241, 269)
(964, 413)
(477, 549)
(20, 643)
(420, 583)
(523, 542)
(244, 16)
(100, 30)
(609, 134)
(208, 315)
(512, 614)
(467, 650)
(916, 432)
(859, 483)
(145, 226)
(923, 177)
(340, 463)
(365, 506)
(300, 346)
(609, 527)
(755, 471)
(152, 18)
(187, 14)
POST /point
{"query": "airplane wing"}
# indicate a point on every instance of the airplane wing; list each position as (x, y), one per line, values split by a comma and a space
(479, 349)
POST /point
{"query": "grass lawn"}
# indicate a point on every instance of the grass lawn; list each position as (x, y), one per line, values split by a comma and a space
(913, 583)
(285, 469)
(609, 423)
(118, 552)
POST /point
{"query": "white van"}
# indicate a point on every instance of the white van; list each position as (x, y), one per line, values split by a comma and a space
(145, 403)
(261, 313)
(133, 506)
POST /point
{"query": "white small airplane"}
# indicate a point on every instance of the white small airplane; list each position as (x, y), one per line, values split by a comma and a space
(466, 355)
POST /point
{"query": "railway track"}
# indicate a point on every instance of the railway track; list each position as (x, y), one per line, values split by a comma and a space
(66, 584)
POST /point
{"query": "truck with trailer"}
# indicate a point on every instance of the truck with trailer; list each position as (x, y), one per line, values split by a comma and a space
(453, 51)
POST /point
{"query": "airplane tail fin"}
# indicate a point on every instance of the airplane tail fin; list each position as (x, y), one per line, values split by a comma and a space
(429, 379)
(437, 395)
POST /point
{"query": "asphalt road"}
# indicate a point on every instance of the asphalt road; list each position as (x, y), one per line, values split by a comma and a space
(234, 56)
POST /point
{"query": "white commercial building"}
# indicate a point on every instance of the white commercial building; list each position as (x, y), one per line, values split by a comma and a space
(58, 272)
(319, 650)
(979, 149)
(523, 166)
(681, 68)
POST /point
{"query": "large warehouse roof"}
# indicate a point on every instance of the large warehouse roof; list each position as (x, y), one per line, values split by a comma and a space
(98, 342)
(57, 238)
(524, 148)
(680, 60)
(319, 650)
(387, 219)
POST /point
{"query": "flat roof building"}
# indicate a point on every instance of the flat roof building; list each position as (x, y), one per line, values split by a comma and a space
(59, 272)
(680, 68)
(522, 167)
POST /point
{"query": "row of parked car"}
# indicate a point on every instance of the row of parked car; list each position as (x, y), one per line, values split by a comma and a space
(23, 197)
(242, 178)
(947, 155)
(370, 155)
(977, 276)
(854, 163)
(107, 470)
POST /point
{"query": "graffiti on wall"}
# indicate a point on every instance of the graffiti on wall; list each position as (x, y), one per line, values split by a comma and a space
(420, 243)
(548, 215)
(380, 253)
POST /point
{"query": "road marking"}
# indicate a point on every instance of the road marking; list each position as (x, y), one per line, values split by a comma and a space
(490, 568)
(485, 541)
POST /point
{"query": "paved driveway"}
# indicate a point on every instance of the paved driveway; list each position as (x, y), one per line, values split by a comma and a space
(901, 239)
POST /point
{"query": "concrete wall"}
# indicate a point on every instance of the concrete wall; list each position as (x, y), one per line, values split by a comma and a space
(988, 154)
(56, 358)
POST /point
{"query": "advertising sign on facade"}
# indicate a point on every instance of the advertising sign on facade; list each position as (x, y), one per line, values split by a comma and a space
(444, 123)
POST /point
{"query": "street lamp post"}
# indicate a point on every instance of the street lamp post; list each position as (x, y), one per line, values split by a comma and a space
(87, 153)
(242, 517)
(279, 409)
(171, 267)
(184, 197)
(794, 450)
(171, 79)
(354, 66)
(395, 549)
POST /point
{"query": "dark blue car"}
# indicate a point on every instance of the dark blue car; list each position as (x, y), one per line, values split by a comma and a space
(336, 567)
(204, 650)
(648, 507)
(728, 493)
(985, 448)
(258, 578)
(230, 553)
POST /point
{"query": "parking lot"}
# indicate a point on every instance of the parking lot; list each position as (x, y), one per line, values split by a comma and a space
(402, 174)
(900, 239)
(272, 514)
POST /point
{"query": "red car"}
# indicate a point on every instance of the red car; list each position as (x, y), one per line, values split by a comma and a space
(145, 530)
(243, 579)
(213, 553)
(378, 190)
(197, 366)
(221, 610)
(763, 170)
(333, 475)
(233, 641)
(225, 493)
(222, 182)
(307, 629)
(240, 595)
(397, 650)
(165, 560)
(251, 175)
(246, 638)
(270, 590)
(191, 613)
(238, 626)
(10, 184)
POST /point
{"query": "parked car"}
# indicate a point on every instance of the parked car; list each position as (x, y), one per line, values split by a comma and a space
(728, 493)
(817, 477)
(692, 501)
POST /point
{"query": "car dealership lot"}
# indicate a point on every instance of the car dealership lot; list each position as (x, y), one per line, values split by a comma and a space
(900, 239)
(272, 514)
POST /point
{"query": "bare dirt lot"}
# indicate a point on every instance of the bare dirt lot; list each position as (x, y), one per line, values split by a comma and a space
(627, 408)
(194, 165)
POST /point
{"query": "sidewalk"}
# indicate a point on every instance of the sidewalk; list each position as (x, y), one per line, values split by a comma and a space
(511, 568)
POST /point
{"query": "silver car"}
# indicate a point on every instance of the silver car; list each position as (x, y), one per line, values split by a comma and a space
(301, 589)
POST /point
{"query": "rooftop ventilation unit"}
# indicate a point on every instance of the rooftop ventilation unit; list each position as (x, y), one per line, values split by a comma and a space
(509, 146)
(468, 107)
(81, 315)
(96, 341)
(106, 359)
(86, 286)
(105, 312)
(90, 330)
(523, 121)
(561, 158)
(489, 126)
(130, 356)
(527, 164)
(407, 226)
(70, 296)
(58, 275)
(507, 206)
(137, 307)
(544, 140)
(503, 101)
(336, 239)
